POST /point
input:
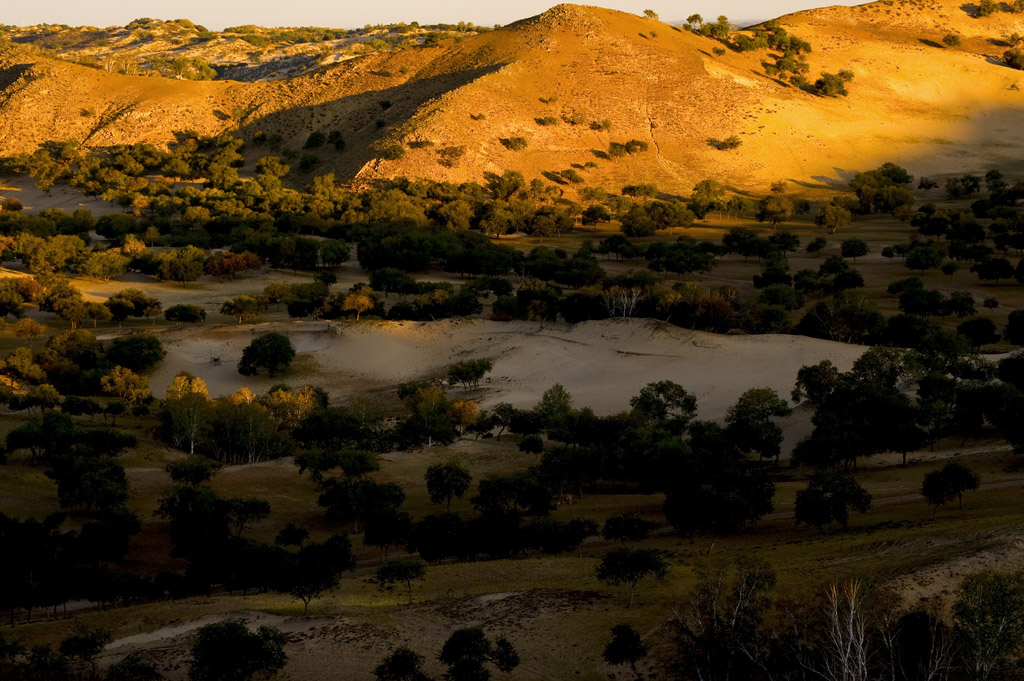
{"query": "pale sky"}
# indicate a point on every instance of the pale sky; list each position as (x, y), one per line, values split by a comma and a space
(216, 14)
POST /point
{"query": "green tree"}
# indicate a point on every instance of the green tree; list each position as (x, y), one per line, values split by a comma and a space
(244, 308)
(271, 351)
(630, 566)
(853, 248)
(445, 481)
(627, 527)
(626, 647)
(469, 372)
(750, 424)
(188, 314)
(401, 665)
(183, 265)
(192, 470)
(228, 651)
(467, 652)
(829, 497)
(126, 385)
(948, 483)
(133, 668)
(138, 352)
(397, 571)
(720, 634)
(832, 217)
(988, 615)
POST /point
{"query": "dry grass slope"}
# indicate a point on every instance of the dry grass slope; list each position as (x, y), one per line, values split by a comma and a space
(936, 110)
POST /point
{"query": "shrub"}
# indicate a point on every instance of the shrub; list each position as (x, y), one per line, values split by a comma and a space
(449, 156)
(731, 142)
(574, 118)
(394, 152)
(546, 120)
(513, 143)
(951, 40)
(315, 139)
(636, 146)
(189, 314)
(601, 125)
(308, 162)
(1014, 58)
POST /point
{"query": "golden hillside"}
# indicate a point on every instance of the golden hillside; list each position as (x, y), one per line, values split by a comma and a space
(932, 108)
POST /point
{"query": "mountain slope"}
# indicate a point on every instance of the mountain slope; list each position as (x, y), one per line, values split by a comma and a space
(934, 109)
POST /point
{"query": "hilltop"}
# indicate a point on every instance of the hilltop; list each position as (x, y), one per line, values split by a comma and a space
(574, 80)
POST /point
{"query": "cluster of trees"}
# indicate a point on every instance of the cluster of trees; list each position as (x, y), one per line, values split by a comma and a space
(207, 530)
(732, 626)
(957, 394)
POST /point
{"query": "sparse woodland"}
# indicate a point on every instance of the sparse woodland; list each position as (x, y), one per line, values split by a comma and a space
(859, 525)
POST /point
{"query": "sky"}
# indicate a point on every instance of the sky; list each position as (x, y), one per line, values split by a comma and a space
(216, 14)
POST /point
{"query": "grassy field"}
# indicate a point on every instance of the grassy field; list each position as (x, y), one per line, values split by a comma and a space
(901, 544)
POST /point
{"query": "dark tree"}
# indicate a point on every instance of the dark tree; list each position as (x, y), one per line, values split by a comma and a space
(291, 535)
(948, 483)
(720, 634)
(137, 352)
(133, 668)
(627, 527)
(188, 314)
(467, 652)
(228, 651)
(192, 470)
(829, 497)
(629, 566)
(400, 571)
(988, 617)
(469, 372)
(447, 480)
(853, 248)
(316, 569)
(1014, 332)
(626, 647)
(750, 422)
(401, 665)
(980, 331)
(271, 351)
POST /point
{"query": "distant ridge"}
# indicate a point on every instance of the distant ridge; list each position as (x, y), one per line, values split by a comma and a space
(574, 80)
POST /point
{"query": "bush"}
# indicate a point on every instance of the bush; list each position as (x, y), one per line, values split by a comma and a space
(729, 143)
(636, 146)
(308, 162)
(188, 314)
(395, 152)
(1014, 58)
(601, 125)
(546, 121)
(514, 143)
(315, 139)
(951, 40)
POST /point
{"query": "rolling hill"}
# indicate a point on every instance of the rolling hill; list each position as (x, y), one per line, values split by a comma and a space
(933, 108)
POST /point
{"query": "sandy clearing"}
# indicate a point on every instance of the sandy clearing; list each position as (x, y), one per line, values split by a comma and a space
(602, 363)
